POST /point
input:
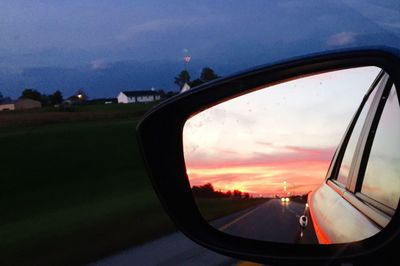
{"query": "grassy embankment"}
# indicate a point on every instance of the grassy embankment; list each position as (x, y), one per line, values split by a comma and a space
(74, 188)
(212, 209)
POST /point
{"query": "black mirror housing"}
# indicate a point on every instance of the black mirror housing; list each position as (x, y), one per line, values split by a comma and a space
(160, 138)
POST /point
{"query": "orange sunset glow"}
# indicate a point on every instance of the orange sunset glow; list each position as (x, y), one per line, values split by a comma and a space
(266, 177)
(277, 140)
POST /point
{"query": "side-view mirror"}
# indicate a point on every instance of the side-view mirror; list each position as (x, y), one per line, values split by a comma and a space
(303, 221)
(292, 163)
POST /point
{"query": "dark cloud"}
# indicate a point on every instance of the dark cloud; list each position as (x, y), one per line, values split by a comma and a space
(233, 36)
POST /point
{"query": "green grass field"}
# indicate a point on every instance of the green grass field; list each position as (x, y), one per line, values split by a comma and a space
(82, 113)
(74, 192)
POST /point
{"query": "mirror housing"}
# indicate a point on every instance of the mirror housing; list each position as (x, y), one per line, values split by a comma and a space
(303, 221)
(160, 139)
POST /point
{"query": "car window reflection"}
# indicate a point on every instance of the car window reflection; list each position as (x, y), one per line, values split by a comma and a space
(382, 179)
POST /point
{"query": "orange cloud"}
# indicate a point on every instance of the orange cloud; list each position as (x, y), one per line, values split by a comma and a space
(303, 169)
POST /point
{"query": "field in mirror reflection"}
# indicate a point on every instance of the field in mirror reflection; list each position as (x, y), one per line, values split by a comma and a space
(252, 160)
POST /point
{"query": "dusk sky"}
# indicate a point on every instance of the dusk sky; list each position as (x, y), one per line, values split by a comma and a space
(287, 132)
(107, 46)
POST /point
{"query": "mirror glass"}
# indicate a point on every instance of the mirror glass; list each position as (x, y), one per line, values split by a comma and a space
(258, 163)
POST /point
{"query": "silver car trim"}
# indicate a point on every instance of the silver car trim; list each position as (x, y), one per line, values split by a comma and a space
(389, 211)
(365, 132)
(372, 213)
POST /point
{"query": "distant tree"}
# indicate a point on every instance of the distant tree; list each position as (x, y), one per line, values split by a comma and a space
(208, 74)
(3, 99)
(162, 93)
(56, 98)
(182, 78)
(208, 187)
(204, 191)
(237, 194)
(31, 94)
(207, 191)
(45, 100)
(195, 83)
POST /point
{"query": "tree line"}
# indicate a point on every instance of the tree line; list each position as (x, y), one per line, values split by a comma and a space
(55, 98)
(207, 74)
(207, 191)
(45, 99)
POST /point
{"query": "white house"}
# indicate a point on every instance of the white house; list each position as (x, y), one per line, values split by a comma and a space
(185, 87)
(138, 96)
(7, 106)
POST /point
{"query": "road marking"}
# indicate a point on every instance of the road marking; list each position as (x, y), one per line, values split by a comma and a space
(222, 228)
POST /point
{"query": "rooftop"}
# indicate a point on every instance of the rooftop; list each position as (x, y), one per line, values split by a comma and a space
(140, 93)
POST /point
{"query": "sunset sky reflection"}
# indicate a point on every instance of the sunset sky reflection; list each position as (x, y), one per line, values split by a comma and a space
(287, 132)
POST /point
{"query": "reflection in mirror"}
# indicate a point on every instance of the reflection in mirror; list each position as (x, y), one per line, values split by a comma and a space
(252, 161)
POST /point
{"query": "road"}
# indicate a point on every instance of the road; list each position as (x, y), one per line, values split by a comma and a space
(271, 221)
(174, 249)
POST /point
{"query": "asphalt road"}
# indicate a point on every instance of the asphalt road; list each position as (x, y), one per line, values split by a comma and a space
(175, 249)
(272, 221)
